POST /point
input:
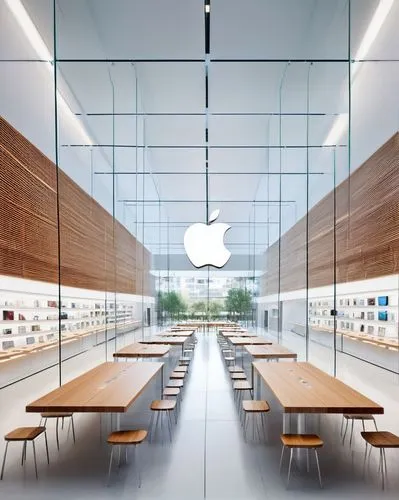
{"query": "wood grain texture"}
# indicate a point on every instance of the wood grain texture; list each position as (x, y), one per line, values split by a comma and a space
(109, 387)
(303, 388)
(273, 351)
(243, 341)
(137, 350)
(165, 340)
(97, 252)
(127, 437)
(367, 231)
(24, 434)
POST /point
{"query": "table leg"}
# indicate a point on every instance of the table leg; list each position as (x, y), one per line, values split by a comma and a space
(118, 421)
(301, 429)
(162, 379)
(285, 424)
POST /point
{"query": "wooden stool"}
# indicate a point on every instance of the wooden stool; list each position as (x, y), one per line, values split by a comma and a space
(177, 375)
(45, 416)
(229, 359)
(238, 376)
(173, 392)
(184, 361)
(181, 369)
(126, 438)
(307, 441)
(354, 417)
(161, 407)
(239, 388)
(25, 434)
(255, 408)
(235, 369)
(381, 440)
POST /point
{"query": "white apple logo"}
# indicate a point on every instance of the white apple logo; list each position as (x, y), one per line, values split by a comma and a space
(204, 243)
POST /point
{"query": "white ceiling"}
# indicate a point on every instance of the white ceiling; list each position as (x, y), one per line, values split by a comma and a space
(243, 146)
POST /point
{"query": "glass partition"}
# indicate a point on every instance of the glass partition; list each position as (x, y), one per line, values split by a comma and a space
(294, 142)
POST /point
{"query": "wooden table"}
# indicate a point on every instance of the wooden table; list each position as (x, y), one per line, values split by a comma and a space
(166, 341)
(237, 334)
(302, 388)
(107, 388)
(272, 351)
(137, 350)
(180, 333)
(243, 341)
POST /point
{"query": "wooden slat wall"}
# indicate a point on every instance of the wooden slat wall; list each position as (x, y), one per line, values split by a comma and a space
(367, 231)
(96, 252)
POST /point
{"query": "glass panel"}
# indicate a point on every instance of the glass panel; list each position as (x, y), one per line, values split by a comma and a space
(28, 206)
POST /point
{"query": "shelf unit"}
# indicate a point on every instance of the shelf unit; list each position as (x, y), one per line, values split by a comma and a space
(28, 320)
(357, 314)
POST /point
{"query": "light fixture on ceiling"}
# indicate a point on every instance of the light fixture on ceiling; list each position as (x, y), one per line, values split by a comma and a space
(39, 46)
(380, 14)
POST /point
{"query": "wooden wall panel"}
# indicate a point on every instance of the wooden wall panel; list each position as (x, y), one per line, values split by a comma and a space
(97, 252)
(367, 231)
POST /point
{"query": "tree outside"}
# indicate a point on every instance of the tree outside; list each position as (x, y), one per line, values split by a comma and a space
(171, 303)
(238, 303)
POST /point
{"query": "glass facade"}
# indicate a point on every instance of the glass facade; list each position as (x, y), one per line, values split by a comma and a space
(289, 132)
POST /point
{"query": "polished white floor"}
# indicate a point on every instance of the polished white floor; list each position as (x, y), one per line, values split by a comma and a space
(208, 457)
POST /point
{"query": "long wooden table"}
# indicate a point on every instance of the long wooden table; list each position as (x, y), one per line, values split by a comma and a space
(180, 333)
(175, 341)
(107, 388)
(243, 341)
(272, 351)
(137, 350)
(303, 388)
(230, 334)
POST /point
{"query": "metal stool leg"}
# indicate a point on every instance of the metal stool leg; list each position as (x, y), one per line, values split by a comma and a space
(45, 439)
(282, 456)
(34, 456)
(4, 460)
(346, 429)
(23, 453)
(289, 466)
(56, 435)
(110, 465)
(169, 425)
(151, 427)
(137, 465)
(318, 467)
(350, 440)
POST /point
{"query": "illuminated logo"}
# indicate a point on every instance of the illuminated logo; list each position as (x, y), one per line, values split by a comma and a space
(204, 243)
